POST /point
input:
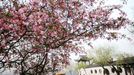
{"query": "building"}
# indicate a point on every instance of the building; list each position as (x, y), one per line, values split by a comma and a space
(124, 68)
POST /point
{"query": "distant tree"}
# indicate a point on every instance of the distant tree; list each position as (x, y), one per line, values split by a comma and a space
(103, 56)
(81, 66)
(121, 58)
(124, 59)
(37, 36)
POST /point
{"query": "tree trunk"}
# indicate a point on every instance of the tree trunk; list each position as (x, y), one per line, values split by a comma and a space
(105, 71)
(124, 66)
(23, 73)
(116, 70)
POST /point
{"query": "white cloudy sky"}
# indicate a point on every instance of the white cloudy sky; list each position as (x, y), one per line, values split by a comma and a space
(122, 45)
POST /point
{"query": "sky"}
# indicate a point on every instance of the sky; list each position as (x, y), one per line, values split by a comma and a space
(120, 45)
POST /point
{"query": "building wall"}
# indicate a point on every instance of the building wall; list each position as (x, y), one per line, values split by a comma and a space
(99, 71)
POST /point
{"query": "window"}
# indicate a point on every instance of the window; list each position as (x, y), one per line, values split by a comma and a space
(100, 71)
(91, 71)
(95, 71)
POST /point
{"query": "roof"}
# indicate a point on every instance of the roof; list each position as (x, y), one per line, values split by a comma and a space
(84, 59)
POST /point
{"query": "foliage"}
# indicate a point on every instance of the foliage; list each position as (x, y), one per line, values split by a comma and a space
(121, 58)
(81, 65)
(36, 36)
(103, 55)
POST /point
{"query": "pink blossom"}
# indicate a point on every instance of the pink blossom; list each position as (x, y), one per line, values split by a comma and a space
(21, 11)
(7, 27)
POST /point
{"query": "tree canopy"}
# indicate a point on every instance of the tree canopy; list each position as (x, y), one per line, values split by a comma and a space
(36, 36)
(103, 56)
